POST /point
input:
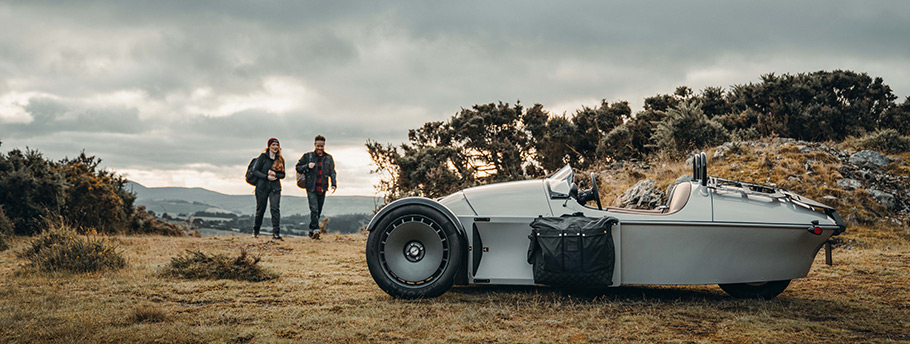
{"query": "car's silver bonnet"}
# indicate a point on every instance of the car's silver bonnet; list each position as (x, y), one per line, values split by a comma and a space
(521, 198)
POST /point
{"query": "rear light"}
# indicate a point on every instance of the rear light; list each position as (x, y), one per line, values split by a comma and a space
(815, 229)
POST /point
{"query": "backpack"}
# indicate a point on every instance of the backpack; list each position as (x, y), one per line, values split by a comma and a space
(250, 178)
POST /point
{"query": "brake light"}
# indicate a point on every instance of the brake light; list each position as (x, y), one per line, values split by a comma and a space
(815, 229)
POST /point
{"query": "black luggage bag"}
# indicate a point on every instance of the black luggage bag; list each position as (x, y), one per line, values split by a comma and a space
(572, 250)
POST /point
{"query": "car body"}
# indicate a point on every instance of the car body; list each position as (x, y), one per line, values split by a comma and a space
(750, 239)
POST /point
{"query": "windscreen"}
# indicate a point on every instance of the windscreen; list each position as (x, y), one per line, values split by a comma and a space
(560, 182)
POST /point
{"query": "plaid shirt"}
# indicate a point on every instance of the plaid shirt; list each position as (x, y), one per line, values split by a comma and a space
(319, 160)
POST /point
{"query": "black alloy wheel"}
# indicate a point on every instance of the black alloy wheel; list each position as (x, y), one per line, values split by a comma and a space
(414, 252)
(757, 290)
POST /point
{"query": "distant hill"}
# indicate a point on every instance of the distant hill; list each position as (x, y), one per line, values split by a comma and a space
(180, 200)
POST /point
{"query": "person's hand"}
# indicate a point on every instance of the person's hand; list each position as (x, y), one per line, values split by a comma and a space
(333, 188)
(272, 173)
(272, 176)
(312, 164)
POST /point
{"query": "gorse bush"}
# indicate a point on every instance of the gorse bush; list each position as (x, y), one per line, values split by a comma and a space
(94, 197)
(6, 229)
(60, 248)
(685, 128)
(32, 188)
(87, 196)
(199, 265)
(141, 222)
(887, 141)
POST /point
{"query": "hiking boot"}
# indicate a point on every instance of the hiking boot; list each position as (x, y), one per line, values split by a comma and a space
(277, 237)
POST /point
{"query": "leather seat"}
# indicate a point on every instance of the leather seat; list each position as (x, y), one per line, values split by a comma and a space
(679, 197)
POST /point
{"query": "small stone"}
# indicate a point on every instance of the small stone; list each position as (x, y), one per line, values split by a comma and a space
(884, 198)
(849, 184)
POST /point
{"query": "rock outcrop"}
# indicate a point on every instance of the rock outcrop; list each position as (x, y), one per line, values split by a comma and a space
(643, 195)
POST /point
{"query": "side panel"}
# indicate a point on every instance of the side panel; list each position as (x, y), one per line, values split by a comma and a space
(498, 247)
(688, 253)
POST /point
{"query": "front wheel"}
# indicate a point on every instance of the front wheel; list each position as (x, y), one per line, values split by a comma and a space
(758, 290)
(414, 252)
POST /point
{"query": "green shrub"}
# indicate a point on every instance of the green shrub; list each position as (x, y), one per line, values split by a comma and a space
(685, 128)
(6, 229)
(198, 265)
(32, 189)
(887, 141)
(60, 248)
(141, 222)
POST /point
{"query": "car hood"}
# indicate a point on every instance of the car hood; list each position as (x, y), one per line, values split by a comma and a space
(521, 198)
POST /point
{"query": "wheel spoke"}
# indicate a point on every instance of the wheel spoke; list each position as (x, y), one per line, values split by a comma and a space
(414, 250)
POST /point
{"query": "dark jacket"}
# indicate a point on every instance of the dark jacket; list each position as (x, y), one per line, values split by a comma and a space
(328, 170)
(261, 171)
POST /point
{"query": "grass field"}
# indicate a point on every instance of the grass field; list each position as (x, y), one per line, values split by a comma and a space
(325, 294)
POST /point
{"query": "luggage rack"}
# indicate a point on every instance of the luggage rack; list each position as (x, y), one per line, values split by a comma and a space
(750, 188)
(700, 174)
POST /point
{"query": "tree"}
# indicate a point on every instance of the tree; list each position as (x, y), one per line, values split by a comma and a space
(897, 118)
(486, 143)
(593, 124)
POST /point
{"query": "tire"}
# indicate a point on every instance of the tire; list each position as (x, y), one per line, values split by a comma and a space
(414, 252)
(760, 290)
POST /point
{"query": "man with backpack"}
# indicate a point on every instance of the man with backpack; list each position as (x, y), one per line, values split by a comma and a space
(314, 170)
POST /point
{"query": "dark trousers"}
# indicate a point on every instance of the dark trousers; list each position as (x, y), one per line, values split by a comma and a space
(273, 197)
(316, 200)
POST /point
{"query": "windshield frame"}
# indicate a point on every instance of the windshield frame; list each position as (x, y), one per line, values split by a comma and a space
(559, 183)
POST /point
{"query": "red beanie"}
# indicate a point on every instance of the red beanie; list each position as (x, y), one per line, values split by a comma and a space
(272, 140)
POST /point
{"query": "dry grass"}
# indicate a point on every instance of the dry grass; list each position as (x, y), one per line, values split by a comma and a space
(325, 294)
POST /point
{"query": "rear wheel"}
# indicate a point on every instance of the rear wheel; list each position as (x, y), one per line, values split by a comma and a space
(758, 290)
(414, 252)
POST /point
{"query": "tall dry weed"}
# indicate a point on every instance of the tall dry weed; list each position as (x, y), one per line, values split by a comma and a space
(199, 265)
(60, 248)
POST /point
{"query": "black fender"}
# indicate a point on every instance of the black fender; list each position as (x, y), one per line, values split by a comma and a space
(421, 201)
(461, 276)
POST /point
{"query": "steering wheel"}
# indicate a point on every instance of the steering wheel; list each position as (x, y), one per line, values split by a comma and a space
(596, 193)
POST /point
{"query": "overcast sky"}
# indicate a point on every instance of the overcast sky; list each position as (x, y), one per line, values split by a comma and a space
(185, 93)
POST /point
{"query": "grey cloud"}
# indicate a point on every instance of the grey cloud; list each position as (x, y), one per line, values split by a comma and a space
(52, 116)
(381, 68)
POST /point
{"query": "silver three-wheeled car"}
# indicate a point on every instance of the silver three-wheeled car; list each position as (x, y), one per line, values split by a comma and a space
(750, 239)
